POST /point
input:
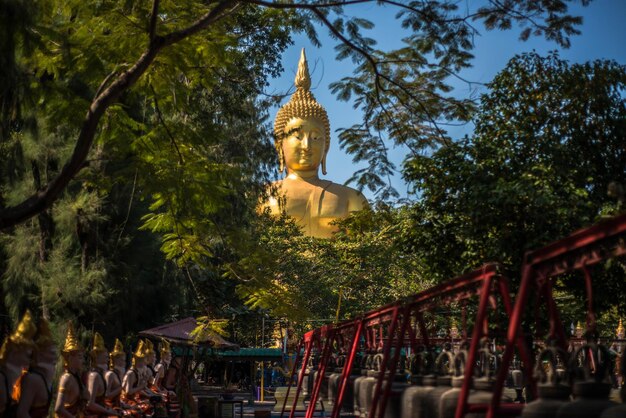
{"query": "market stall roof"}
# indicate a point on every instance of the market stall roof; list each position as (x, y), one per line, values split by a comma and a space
(179, 333)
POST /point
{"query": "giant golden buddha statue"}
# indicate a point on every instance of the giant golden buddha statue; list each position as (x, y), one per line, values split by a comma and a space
(302, 139)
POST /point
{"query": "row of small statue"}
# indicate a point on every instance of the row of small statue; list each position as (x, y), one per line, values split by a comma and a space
(28, 360)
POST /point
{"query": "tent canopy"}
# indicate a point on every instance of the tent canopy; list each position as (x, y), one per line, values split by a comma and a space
(179, 333)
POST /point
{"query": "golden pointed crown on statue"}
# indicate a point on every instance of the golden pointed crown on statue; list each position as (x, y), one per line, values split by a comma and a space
(25, 332)
(302, 105)
(118, 349)
(149, 347)
(140, 352)
(620, 329)
(71, 342)
(165, 347)
(98, 344)
(21, 337)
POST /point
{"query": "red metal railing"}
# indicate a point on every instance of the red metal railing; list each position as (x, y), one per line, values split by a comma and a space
(389, 326)
(578, 251)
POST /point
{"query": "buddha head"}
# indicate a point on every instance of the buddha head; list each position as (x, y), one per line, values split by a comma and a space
(117, 356)
(301, 128)
(139, 356)
(99, 353)
(17, 348)
(72, 350)
(166, 352)
(150, 352)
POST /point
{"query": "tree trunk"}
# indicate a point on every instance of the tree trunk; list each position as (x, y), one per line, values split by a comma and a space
(46, 232)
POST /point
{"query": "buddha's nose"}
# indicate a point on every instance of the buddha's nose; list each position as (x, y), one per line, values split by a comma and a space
(305, 142)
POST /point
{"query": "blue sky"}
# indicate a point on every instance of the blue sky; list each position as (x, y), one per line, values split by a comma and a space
(603, 37)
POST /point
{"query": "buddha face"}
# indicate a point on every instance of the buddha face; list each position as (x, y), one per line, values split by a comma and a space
(101, 358)
(75, 360)
(140, 362)
(304, 144)
(119, 361)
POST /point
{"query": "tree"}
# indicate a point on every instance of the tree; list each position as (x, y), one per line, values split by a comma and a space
(174, 136)
(547, 144)
(301, 277)
(94, 255)
(97, 53)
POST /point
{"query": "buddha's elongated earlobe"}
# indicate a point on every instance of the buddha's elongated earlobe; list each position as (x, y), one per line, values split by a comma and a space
(281, 160)
(324, 164)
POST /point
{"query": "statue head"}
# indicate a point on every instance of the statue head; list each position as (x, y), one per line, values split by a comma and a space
(150, 353)
(17, 348)
(99, 353)
(72, 350)
(117, 356)
(45, 355)
(139, 356)
(301, 127)
(166, 351)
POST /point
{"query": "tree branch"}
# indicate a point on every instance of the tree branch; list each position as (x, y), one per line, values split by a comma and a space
(44, 198)
(153, 20)
(378, 75)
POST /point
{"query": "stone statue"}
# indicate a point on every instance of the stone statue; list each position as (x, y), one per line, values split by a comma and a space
(72, 395)
(96, 382)
(15, 357)
(163, 364)
(134, 383)
(302, 139)
(33, 393)
(113, 378)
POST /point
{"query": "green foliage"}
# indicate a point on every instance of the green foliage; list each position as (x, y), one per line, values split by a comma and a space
(158, 203)
(208, 328)
(301, 277)
(183, 155)
(404, 94)
(548, 141)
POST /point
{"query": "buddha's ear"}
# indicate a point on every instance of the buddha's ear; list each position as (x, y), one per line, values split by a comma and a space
(324, 163)
(281, 160)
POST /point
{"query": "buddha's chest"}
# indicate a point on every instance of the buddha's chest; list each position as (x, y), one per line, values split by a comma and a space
(315, 203)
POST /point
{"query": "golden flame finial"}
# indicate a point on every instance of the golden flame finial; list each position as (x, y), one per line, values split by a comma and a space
(303, 79)
(71, 342)
(620, 329)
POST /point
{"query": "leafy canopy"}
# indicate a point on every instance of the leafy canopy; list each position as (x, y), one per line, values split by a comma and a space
(87, 56)
(548, 143)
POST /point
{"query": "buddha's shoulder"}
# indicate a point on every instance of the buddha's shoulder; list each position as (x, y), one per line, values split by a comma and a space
(355, 197)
